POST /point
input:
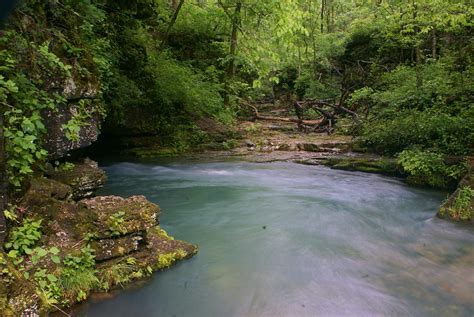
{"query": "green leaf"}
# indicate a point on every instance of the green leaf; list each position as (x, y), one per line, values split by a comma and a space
(52, 278)
(56, 259)
(42, 252)
(54, 250)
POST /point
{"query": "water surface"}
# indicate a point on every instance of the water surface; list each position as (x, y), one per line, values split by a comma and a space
(281, 239)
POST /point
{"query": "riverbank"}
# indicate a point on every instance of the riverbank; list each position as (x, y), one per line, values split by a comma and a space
(71, 243)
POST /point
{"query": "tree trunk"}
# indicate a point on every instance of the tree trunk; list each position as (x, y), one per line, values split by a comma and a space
(418, 57)
(323, 8)
(234, 40)
(3, 182)
(328, 16)
(174, 4)
(434, 44)
(231, 68)
(172, 22)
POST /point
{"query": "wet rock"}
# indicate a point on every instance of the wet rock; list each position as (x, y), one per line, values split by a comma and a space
(84, 178)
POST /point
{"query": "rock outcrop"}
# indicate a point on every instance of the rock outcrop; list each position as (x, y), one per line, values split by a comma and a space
(123, 234)
(84, 178)
(460, 205)
(81, 102)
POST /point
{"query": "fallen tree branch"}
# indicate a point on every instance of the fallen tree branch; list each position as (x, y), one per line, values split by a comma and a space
(258, 116)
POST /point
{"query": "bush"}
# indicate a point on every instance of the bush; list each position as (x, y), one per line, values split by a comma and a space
(430, 168)
(393, 131)
(428, 106)
(462, 208)
(24, 237)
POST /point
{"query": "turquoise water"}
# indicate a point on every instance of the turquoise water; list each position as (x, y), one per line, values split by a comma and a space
(282, 239)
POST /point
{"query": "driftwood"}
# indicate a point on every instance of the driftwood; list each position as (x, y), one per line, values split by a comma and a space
(258, 116)
(329, 117)
(327, 121)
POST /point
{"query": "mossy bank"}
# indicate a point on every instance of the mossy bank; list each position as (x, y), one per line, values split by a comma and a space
(62, 246)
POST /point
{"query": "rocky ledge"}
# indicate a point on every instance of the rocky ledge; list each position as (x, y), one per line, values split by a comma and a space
(79, 245)
(460, 205)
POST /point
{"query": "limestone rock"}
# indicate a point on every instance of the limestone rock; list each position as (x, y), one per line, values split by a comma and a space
(57, 144)
(41, 187)
(106, 249)
(309, 147)
(84, 178)
(116, 216)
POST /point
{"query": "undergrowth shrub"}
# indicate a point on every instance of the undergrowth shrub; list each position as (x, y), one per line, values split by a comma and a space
(430, 168)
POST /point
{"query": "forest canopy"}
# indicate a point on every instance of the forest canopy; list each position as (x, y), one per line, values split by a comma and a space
(402, 69)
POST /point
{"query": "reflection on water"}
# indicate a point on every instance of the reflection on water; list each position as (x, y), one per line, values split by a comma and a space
(282, 239)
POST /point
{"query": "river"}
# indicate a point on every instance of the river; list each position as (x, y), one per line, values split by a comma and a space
(282, 239)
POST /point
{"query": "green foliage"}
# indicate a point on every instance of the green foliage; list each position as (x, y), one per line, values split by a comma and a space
(64, 167)
(253, 128)
(116, 224)
(230, 144)
(122, 272)
(167, 259)
(76, 287)
(392, 131)
(429, 168)
(78, 276)
(47, 287)
(23, 238)
(11, 213)
(462, 209)
(85, 260)
(39, 253)
(29, 68)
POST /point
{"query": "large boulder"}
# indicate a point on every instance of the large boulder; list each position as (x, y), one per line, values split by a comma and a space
(81, 105)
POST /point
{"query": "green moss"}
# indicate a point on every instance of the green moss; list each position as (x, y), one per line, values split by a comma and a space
(230, 144)
(152, 152)
(461, 208)
(359, 146)
(120, 273)
(163, 233)
(369, 165)
(167, 259)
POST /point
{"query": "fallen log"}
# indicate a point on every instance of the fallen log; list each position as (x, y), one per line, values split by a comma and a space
(258, 116)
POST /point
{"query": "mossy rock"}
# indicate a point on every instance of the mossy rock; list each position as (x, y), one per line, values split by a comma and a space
(84, 178)
(145, 152)
(41, 188)
(106, 249)
(460, 205)
(385, 166)
(115, 216)
(160, 252)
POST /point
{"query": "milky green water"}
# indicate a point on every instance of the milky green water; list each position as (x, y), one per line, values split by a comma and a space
(282, 239)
